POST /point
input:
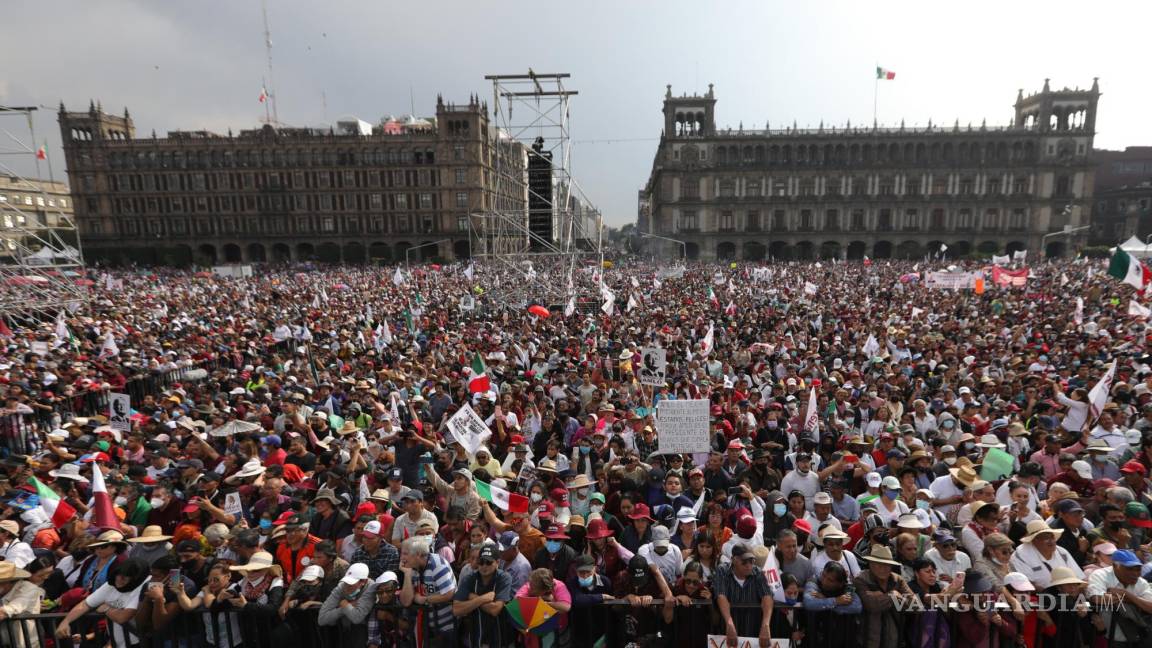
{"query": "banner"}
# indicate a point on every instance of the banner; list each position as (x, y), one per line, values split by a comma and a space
(119, 411)
(1009, 278)
(468, 429)
(653, 368)
(720, 641)
(1001, 260)
(467, 303)
(682, 426)
(951, 280)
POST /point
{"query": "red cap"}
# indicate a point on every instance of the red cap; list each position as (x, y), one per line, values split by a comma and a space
(99, 456)
(802, 525)
(884, 436)
(190, 508)
(555, 532)
(1134, 467)
(641, 512)
(735, 444)
(284, 517)
(746, 527)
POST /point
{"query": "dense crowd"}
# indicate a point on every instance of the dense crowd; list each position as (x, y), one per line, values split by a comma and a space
(304, 483)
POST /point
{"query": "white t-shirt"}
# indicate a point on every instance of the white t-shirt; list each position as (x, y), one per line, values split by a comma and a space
(108, 595)
(960, 562)
(847, 560)
(944, 488)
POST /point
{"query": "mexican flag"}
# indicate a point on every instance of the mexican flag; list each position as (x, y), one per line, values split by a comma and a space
(1128, 269)
(884, 75)
(103, 514)
(712, 297)
(59, 511)
(479, 381)
(510, 502)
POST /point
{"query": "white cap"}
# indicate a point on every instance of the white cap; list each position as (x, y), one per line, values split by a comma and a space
(387, 577)
(312, 572)
(356, 573)
(964, 390)
(822, 498)
(873, 479)
(1083, 469)
(685, 514)
(990, 441)
(1018, 582)
(891, 482)
(372, 527)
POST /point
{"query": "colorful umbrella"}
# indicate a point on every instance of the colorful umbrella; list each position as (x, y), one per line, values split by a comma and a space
(539, 311)
(532, 614)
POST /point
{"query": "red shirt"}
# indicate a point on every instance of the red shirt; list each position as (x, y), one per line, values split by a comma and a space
(275, 457)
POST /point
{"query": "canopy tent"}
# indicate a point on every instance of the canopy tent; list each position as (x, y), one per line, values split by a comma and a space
(47, 255)
(1137, 248)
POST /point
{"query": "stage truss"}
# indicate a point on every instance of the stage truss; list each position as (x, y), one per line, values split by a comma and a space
(41, 261)
(533, 109)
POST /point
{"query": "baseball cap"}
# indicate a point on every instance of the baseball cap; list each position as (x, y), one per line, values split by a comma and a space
(638, 568)
(1137, 513)
(1068, 506)
(1125, 558)
(311, 573)
(508, 540)
(1083, 469)
(660, 536)
(1134, 467)
(822, 498)
(387, 577)
(1019, 582)
(356, 573)
(890, 482)
(372, 528)
(874, 480)
(1104, 548)
(187, 545)
(487, 552)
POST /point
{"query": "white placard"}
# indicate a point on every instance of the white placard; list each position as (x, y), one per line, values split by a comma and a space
(653, 369)
(682, 426)
(468, 429)
(720, 641)
(40, 348)
(119, 409)
(467, 303)
(232, 504)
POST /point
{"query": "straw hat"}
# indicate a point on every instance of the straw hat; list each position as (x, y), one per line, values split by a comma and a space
(964, 474)
(250, 469)
(580, 481)
(880, 554)
(1064, 576)
(259, 560)
(349, 427)
(109, 537)
(380, 495)
(1036, 527)
(151, 533)
(10, 572)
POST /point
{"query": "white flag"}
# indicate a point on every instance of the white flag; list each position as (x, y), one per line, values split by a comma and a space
(316, 301)
(1102, 391)
(632, 303)
(709, 341)
(656, 283)
(1063, 280)
(369, 314)
(943, 248)
(109, 349)
(809, 288)
(1137, 310)
(1078, 317)
(398, 277)
(378, 341)
(470, 271)
(812, 418)
(916, 311)
(364, 492)
(871, 346)
(609, 304)
(386, 334)
(1020, 255)
(635, 283)
(570, 307)
(61, 329)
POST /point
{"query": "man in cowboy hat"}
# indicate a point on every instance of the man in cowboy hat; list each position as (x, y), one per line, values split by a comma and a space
(1038, 554)
(949, 489)
(330, 521)
(877, 586)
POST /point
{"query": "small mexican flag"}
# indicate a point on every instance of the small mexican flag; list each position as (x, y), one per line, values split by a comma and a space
(59, 511)
(263, 95)
(479, 381)
(1128, 269)
(712, 297)
(884, 75)
(41, 153)
(510, 502)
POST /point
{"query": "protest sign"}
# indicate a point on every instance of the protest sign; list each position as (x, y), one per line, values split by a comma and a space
(682, 426)
(653, 366)
(997, 465)
(468, 429)
(232, 504)
(119, 409)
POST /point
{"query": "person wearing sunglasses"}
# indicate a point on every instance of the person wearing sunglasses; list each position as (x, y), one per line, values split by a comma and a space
(481, 597)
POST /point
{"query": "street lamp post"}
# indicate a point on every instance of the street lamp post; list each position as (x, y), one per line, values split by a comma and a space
(423, 245)
(682, 244)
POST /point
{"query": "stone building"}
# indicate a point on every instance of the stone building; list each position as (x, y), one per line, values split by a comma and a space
(354, 193)
(28, 205)
(1123, 196)
(851, 191)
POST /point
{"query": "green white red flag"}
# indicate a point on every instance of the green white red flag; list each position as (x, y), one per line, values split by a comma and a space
(511, 502)
(479, 381)
(1129, 269)
(58, 511)
(883, 74)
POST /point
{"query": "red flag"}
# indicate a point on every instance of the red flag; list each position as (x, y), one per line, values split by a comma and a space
(103, 514)
(263, 95)
(4, 330)
(41, 153)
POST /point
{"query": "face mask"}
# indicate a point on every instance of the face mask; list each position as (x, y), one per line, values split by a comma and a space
(923, 505)
(585, 582)
(1100, 458)
(265, 524)
(891, 494)
(850, 420)
(948, 425)
(660, 551)
(788, 600)
(772, 425)
(595, 508)
(779, 509)
(536, 497)
(949, 460)
(968, 445)
(585, 449)
(157, 502)
(1115, 526)
(120, 500)
(552, 546)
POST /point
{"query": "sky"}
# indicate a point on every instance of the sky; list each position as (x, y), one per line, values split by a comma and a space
(191, 65)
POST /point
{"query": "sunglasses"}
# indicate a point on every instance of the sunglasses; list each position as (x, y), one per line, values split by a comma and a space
(484, 563)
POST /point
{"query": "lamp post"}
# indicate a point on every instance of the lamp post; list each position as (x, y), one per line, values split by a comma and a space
(423, 245)
(682, 244)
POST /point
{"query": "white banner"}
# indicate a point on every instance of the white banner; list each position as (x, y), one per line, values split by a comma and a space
(653, 368)
(951, 280)
(720, 641)
(119, 409)
(1001, 260)
(468, 429)
(467, 303)
(682, 426)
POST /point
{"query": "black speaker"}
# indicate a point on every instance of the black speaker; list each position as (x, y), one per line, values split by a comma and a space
(539, 195)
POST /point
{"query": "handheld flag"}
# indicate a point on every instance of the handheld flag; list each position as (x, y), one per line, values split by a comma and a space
(1129, 270)
(58, 510)
(511, 502)
(479, 382)
(103, 515)
(1098, 396)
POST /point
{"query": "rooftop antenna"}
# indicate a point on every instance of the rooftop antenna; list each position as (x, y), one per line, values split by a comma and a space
(411, 100)
(271, 89)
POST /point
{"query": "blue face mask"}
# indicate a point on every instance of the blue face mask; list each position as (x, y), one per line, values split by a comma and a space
(788, 600)
(265, 523)
(585, 449)
(891, 494)
(923, 505)
(779, 509)
(585, 582)
(553, 546)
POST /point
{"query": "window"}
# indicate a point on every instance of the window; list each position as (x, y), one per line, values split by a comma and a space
(461, 176)
(964, 219)
(991, 219)
(462, 222)
(690, 188)
(967, 186)
(1020, 186)
(753, 224)
(727, 188)
(689, 222)
(427, 223)
(832, 220)
(938, 218)
(462, 199)
(401, 201)
(911, 218)
(1018, 221)
(457, 151)
(887, 186)
(992, 187)
(779, 220)
(808, 187)
(939, 186)
(376, 202)
(832, 186)
(1063, 186)
(425, 201)
(727, 222)
(327, 224)
(805, 220)
(326, 202)
(857, 220)
(884, 220)
(752, 188)
(859, 186)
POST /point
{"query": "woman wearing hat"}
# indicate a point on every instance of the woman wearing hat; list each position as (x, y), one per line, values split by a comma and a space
(120, 596)
(18, 596)
(977, 623)
(108, 551)
(995, 561)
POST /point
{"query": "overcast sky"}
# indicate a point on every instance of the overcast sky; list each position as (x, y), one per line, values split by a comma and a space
(189, 65)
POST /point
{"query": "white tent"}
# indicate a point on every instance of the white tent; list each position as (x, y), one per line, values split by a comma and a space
(47, 255)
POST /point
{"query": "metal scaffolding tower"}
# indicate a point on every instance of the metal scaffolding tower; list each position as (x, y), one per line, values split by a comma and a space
(41, 263)
(537, 223)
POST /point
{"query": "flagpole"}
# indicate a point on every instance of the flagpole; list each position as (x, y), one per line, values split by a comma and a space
(51, 177)
(875, 92)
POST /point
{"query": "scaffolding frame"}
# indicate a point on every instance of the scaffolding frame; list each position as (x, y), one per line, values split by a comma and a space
(530, 108)
(31, 285)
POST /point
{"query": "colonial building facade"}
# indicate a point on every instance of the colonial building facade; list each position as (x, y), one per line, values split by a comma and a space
(406, 189)
(851, 192)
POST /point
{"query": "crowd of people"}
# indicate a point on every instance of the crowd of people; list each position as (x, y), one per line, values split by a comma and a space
(304, 482)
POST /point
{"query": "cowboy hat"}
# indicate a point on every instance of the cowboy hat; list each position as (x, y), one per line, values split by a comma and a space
(259, 560)
(880, 554)
(69, 471)
(151, 533)
(1036, 527)
(964, 474)
(380, 495)
(580, 481)
(1065, 576)
(328, 495)
(349, 427)
(251, 468)
(109, 537)
(10, 572)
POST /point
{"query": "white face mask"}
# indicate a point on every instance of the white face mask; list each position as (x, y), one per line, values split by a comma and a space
(157, 502)
(595, 508)
(950, 460)
(120, 500)
(536, 497)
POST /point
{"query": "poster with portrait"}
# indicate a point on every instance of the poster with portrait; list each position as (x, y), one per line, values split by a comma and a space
(119, 411)
(653, 369)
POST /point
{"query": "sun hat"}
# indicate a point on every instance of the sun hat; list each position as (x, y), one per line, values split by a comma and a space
(259, 560)
(1019, 582)
(151, 533)
(1065, 576)
(109, 537)
(880, 554)
(10, 572)
(964, 474)
(69, 471)
(1037, 527)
